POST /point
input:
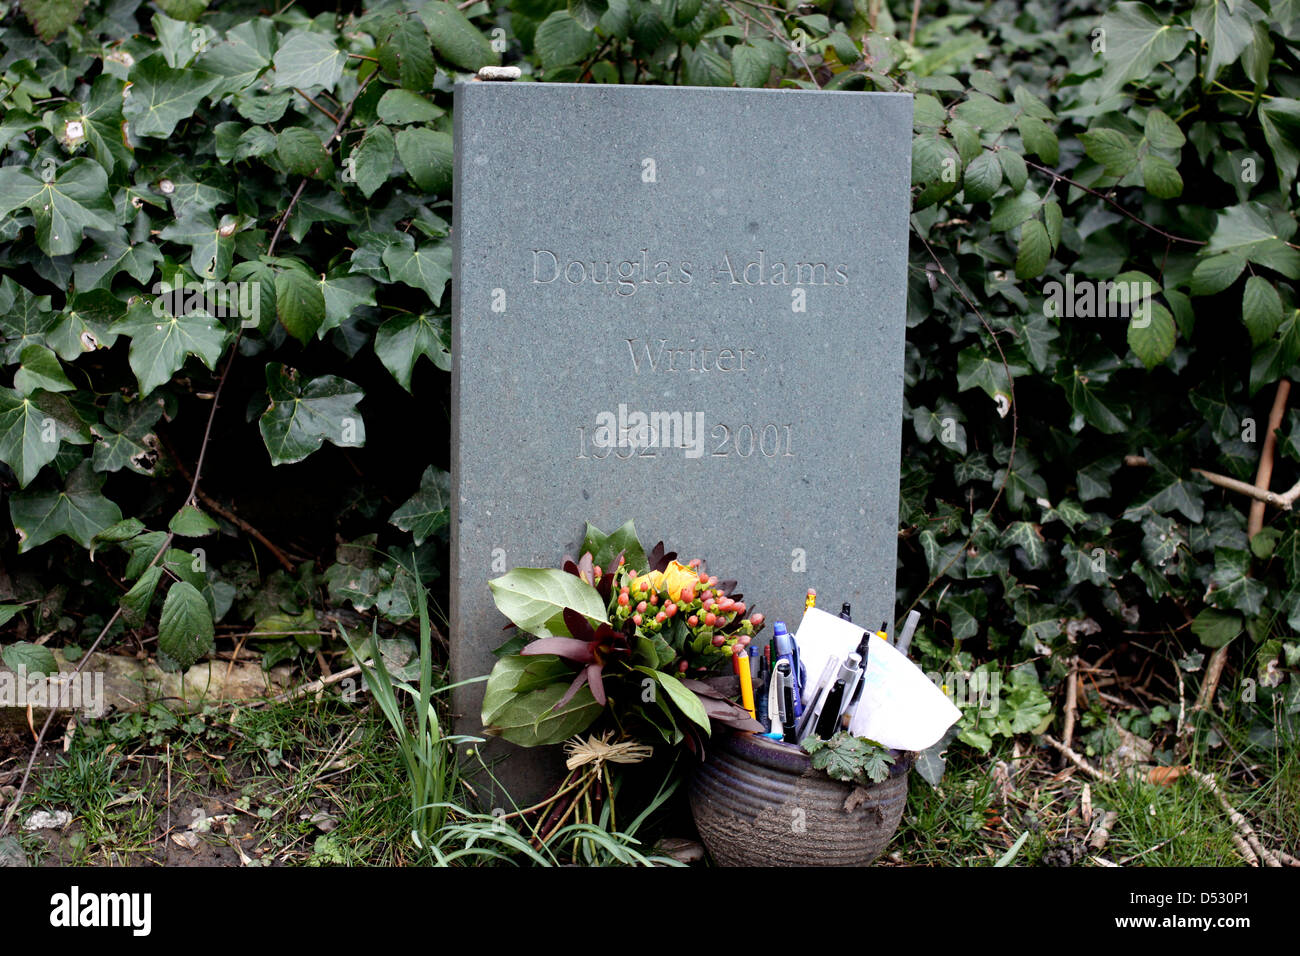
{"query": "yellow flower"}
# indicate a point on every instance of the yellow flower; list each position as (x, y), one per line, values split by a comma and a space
(678, 576)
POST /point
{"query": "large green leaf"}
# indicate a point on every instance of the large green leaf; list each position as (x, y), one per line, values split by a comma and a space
(426, 267)
(532, 720)
(76, 199)
(51, 17)
(405, 54)
(562, 40)
(427, 156)
(185, 628)
(308, 59)
(299, 303)
(1137, 39)
(32, 427)
(1151, 335)
(404, 338)
(427, 511)
(455, 38)
(161, 343)
(160, 97)
(1226, 28)
(535, 599)
(78, 510)
(31, 659)
(303, 414)
(373, 159)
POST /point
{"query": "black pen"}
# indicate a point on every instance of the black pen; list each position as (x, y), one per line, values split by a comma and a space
(864, 651)
(835, 699)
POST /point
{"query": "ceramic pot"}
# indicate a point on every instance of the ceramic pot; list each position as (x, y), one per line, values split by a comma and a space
(759, 802)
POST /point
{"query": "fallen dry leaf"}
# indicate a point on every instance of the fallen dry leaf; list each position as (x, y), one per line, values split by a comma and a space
(1164, 776)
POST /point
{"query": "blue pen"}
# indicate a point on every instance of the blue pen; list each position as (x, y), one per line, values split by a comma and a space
(786, 650)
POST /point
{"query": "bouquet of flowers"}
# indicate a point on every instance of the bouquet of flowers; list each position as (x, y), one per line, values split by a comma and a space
(621, 636)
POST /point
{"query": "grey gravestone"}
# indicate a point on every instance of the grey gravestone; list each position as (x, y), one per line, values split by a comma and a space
(730, 264)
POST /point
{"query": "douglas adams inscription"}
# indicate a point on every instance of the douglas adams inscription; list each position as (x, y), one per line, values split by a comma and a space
(625, 276)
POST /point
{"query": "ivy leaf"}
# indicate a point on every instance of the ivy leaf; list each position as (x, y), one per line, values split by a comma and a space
(160, 97)
(344, 294)
(241, 55)
(1136, 40)
(426, 512)
(77, 199)
(185, 630)
(1226, 29)
(1231, 585)
(302, 416)
(299, 303)
(455, 38)
(306, 60)
(427, 267)
(49, 18)
(1246, 230)
(40, 370)
(1089, 404)
(373, 159)
(78, 511)
(112, 253)
(1216, 628)
(1028, 538)
(401, 341)
(427, 156)
(126, 439)
(212, 245)
(160, 343)
(1280, 120)
(32, 427)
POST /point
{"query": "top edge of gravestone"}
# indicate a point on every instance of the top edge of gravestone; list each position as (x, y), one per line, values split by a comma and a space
(469, 83)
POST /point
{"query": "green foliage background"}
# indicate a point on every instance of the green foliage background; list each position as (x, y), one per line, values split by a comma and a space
(1123, 142)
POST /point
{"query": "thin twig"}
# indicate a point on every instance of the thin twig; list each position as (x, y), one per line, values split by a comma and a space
(1264, 474)
(1243, 826)
(1140, 221)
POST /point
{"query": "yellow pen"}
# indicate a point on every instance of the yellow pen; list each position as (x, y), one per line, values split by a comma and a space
(881, 633)
(746, 682)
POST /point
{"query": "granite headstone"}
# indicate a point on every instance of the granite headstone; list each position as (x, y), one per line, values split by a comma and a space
(685, 307)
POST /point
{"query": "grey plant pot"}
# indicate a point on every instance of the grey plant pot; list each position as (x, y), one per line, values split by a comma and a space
(759, 802)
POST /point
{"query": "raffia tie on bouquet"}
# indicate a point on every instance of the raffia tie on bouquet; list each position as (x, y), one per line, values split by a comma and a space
(597, 751)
